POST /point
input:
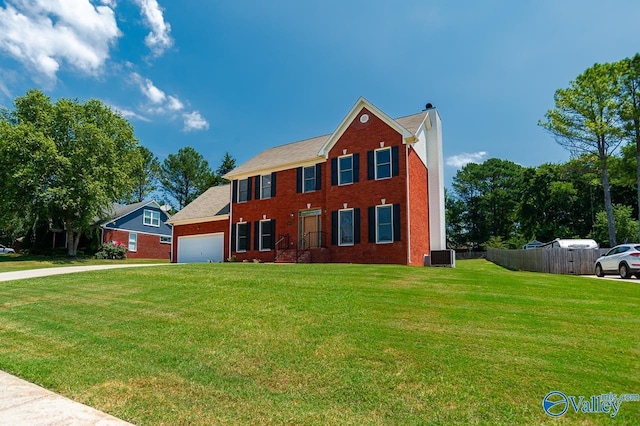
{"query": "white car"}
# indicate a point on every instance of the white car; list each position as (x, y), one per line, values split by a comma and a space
(6, 250)
(623, 259)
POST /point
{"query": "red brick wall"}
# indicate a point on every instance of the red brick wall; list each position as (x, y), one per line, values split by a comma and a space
(360, 138)
(200, 229)
(281, 208)
(149, 246)
(419, 204)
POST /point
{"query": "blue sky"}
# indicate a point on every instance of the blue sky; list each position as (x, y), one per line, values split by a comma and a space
(242, 76)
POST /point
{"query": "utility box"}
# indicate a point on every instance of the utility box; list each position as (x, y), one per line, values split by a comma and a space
(445, 258)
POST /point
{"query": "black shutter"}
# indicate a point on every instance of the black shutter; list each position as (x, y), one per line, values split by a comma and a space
(234, 190)
(334, 171)
(256, 235)
(257, 188)
(249, 180)
(318, 177)
(356, 167)
(371, 165)
(248, 231)
(395, 162)
(372, 224)
(273, 184)
(299, 180)
(334, 227)
(356, 226)
(233, 237)
(396, 222)
(273, 234)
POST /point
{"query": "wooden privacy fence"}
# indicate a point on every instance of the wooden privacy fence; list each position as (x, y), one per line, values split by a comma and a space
(553, 261)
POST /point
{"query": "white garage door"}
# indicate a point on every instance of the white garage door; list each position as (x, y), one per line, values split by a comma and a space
(201, 248)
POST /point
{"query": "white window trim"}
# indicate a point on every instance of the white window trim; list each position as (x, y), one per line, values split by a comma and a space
(262, 187)
(238, 238)
(340, 170)
(375, 163)
(135, 237)
(353, 233)
(166, 242)
(152, 214)
(238, 194)
(304, 180)
(260, 236)
(377, 224)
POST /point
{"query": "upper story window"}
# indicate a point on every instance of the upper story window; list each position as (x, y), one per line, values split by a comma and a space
(345, 170)
(151, 218)
(383, 163)
(243, 190)
(309, 178)
(265, 187)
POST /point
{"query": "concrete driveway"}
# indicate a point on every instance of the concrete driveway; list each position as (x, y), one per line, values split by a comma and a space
(45, 272)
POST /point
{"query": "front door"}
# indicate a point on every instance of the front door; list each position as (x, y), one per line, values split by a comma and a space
(310, 235)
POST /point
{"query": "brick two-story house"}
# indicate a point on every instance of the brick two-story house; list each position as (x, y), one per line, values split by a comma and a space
(370, 192)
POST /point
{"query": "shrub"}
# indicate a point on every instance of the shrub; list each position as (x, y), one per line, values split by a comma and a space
(112, 250)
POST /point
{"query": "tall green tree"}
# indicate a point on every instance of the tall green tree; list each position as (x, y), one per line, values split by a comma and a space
(67, 160)
(145, 175)
(629, 70)
(185, 175)
(626, 226)
(216, 178)
(490, 193)
(586, 120)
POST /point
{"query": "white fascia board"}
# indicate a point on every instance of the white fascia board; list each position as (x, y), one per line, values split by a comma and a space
(407, 136)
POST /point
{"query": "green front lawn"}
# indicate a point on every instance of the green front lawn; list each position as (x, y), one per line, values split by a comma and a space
(325, 344)
(18, 262)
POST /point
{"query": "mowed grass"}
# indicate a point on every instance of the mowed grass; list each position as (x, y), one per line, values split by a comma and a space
(325, 344)
(18, 262)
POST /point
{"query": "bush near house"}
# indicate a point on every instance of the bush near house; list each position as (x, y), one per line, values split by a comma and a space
(115, 250)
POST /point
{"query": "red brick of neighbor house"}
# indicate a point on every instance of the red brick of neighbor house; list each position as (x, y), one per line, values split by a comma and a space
(148, 247)
(417, 163)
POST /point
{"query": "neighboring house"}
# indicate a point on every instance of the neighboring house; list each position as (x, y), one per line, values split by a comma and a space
(201, 229)
(370, 192)
(142, 227)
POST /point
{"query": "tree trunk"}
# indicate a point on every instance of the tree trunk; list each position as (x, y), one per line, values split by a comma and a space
(73, 239)
(70, 238)
(608, 207)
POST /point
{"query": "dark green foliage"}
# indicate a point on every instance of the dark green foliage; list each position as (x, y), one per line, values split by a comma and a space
(114, 251)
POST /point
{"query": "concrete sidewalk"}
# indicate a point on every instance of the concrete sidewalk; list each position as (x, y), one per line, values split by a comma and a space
(23, 403)
(45, 272)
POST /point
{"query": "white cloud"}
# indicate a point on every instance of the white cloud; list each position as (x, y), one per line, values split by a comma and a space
(194, 121)
(159, 39)
(174, 104)
(126, 113)
(461, 160)
(45, 34)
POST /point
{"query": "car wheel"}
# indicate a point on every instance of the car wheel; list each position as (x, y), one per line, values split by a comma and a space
(624, 271)
(599, 272)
